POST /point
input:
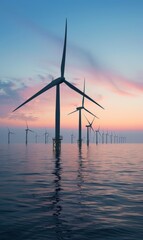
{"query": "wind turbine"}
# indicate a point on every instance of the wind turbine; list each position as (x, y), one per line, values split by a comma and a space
(97, 132)
(9, 133)
(79, 109)
(89, 126)
(107, 137)
(117, 138)
(46, 134)
(57, 82)
(114, 137)
(102, 137)
(111, 137)
(27, 130)
(36, 137)
(72, 137)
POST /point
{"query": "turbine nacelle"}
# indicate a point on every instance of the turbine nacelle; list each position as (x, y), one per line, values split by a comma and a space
(79, 108)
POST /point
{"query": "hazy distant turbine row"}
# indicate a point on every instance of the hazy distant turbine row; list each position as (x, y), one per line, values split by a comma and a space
(98, 137)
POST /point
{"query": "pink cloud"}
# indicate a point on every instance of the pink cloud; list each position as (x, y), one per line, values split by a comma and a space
(114, 82)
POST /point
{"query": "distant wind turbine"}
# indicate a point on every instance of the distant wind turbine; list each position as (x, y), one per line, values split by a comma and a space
(72, 137)
(36, 137)
(89, 127)
(117, 138)
(111, 137)
(79, 109)
(9, 133)
(102, 137)
(57, 83)
(46, 134)
(97, 132)
(27, 130)
(114, 137)
(107, 137)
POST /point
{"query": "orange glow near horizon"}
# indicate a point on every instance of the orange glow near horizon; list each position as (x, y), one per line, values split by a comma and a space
(122, 112)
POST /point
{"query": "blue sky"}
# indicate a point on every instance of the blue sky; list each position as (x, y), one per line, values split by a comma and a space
(114, 33)
(105, 46)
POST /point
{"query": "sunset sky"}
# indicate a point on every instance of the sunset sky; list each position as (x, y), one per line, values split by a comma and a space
(104, 47)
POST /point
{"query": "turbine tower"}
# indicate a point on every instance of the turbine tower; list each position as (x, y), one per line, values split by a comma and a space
(97, 132)
(111, 138)
(102, 137)
(9, 133)
(36, 137)
(57, 82)
(72, 137)
(79, 109)
(27, 130)
(89, 126)
(107, 137)
(114, 137)
(46, 134)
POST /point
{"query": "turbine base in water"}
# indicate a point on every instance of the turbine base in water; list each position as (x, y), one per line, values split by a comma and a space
(57, 143)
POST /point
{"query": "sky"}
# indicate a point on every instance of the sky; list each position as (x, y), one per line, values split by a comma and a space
(104, 47)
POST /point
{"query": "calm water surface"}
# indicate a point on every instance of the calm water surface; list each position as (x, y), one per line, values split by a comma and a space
(95, 192)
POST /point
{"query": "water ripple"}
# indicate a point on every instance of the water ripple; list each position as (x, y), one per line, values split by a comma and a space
(86, 193)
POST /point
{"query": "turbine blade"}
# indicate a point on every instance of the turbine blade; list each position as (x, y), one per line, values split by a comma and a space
(26, 124)
(92, 128)
(50, 85)
(87, 119)
(30, 130)
(64, 52)
(72, 112)
(80, 92)
(83, 96)
(92, 121)
(90, 112)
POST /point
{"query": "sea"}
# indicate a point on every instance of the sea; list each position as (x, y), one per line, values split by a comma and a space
(78, 192)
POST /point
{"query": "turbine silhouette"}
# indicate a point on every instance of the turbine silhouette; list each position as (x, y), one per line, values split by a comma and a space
(57, 82)
(72, 137)
(107, 134)
(114, 137)
(46, 134)
(89, 126)
(111, 137)
(102, 137)
(27, 130)
(97, 132)
(9, 133)
(36, 137)
(79, 109)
